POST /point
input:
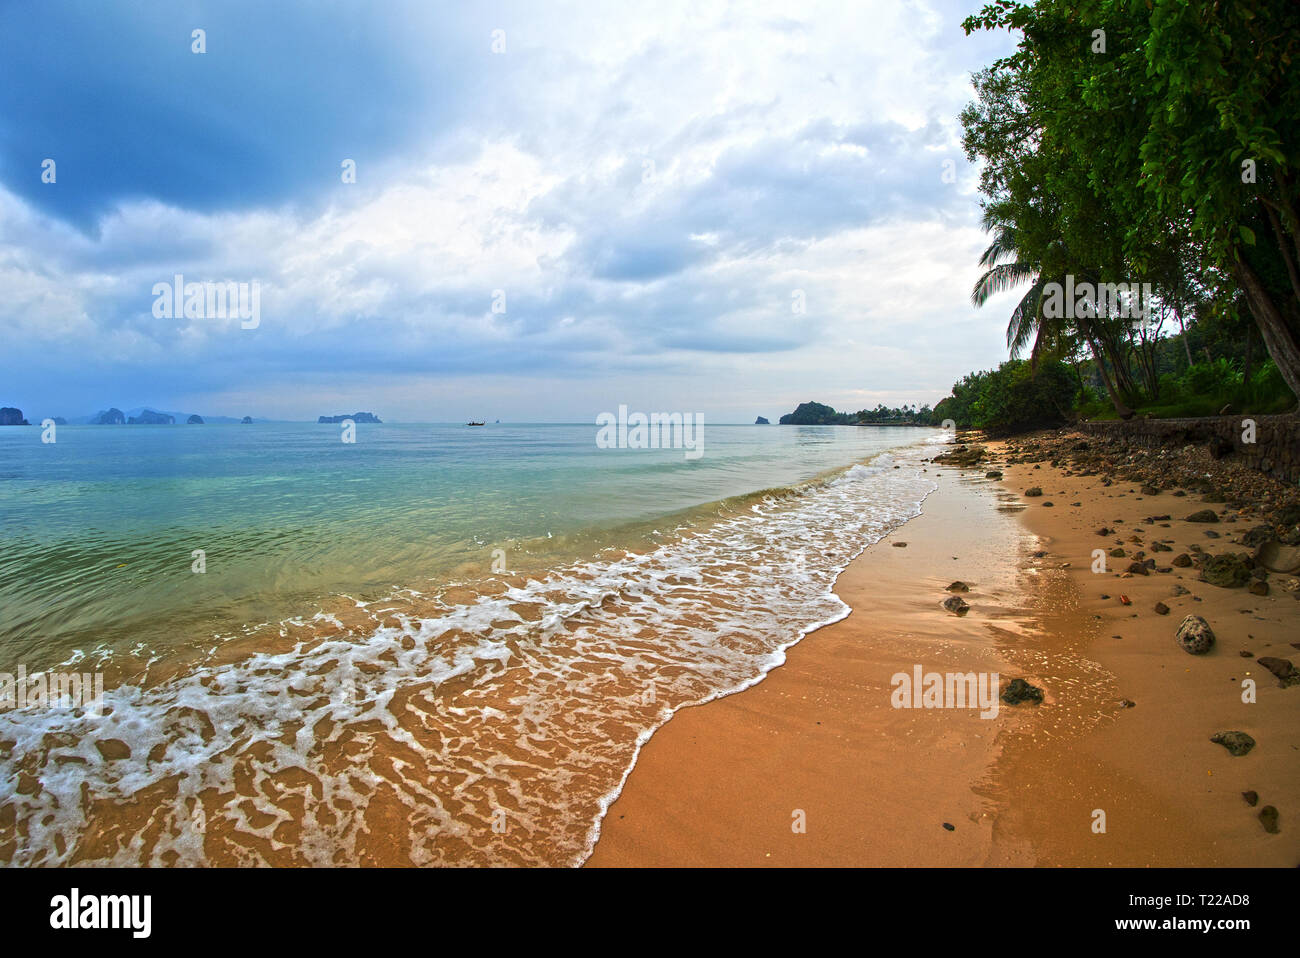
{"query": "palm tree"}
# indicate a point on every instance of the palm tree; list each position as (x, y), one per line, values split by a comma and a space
(1005, 268)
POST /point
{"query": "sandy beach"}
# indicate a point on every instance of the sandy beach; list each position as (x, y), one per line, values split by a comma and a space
(1114, 767)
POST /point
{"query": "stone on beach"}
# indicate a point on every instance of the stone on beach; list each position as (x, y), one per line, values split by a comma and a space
(1282, 668)
(1276, 557)
(1286, 673)
(956, 605)
(962, 456)
(1237, 743)
(1021, 691)
(1195, 636)
(1228, 571)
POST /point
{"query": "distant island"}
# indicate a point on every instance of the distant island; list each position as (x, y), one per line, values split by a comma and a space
(148, 416)
(143, 417)
(819, 414)
(9, 416)
(355, 417)
(760, 421)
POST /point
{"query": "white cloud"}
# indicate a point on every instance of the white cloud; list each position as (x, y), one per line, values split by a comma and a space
(648, 185)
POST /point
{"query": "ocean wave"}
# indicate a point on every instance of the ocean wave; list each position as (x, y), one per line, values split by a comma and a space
(487, 723)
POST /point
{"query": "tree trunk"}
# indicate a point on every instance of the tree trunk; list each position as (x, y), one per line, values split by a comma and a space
(1119, 362)
(1292, 272)
(1250, 355)
(1278, 338)
(1116, 401)
(1186, 345)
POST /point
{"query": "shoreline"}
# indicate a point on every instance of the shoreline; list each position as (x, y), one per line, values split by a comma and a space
(719, 784)
(811, 762)
(609, 800)
(423, 728)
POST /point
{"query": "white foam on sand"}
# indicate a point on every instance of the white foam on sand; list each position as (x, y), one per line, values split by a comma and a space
(501, 728)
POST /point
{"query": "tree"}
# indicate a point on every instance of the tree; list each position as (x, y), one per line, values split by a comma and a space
(1159, 138)
(1011, 398)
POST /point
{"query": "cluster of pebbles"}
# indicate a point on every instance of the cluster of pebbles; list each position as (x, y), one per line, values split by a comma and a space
(1262, 513)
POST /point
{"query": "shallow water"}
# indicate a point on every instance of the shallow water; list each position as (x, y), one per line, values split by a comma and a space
(392, 699)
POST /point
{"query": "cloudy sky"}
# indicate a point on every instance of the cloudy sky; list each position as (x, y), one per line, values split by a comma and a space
(647, 192)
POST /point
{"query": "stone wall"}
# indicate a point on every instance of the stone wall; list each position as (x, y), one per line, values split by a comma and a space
(1275, 451)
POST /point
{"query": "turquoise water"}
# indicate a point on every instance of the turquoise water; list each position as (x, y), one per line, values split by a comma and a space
(350, 681)
(97, 530)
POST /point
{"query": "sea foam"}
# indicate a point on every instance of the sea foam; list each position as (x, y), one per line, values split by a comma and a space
(442, 730)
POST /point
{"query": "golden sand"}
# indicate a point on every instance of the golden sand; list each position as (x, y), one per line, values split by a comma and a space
(1082, 779)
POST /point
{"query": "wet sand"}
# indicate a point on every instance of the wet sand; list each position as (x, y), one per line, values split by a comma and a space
(1172, 797)
(818, 741)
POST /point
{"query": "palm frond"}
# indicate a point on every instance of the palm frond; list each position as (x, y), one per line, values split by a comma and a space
(1000, 278)
(1025, 320)
(1001, 249)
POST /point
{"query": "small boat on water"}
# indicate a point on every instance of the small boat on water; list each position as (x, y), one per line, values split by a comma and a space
(476, 423)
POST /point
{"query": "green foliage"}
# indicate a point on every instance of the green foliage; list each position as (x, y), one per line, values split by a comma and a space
(884, 414)
(1207, 389)
(813, 414)
(1167, 151)
(1268, 388)
(819, 414)
(1213, 378)
(1012, 398)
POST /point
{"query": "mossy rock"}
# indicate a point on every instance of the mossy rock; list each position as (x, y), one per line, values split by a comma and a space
(1238, 743)
(1021, 691)
(1226, 571)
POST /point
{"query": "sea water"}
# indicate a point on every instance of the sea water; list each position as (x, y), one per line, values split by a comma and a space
(433, 645)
